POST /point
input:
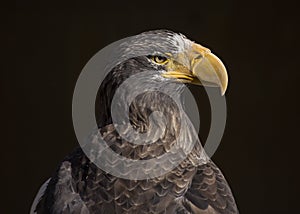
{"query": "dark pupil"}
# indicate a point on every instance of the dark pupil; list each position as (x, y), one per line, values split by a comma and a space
(160, 58)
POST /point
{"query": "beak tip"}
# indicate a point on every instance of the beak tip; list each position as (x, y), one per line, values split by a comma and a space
(223, 88)
(223, 92)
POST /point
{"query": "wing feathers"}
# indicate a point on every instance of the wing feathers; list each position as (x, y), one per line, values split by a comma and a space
(209, 192)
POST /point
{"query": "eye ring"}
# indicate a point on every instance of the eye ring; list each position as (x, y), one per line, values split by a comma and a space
(160, 59)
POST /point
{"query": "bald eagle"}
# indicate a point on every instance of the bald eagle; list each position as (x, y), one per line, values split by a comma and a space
(195, 185)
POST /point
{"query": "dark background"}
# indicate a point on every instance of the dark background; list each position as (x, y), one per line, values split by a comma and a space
(52, 42)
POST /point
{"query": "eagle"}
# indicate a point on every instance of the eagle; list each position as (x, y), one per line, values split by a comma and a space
(162, 59)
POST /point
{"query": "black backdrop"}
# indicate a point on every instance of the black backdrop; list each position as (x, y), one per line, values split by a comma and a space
(52, 42)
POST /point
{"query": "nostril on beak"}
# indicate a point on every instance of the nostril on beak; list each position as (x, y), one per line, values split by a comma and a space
(199, 56)
(195, 59)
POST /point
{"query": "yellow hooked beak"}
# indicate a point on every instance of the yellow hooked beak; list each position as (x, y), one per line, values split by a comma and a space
(199, 66)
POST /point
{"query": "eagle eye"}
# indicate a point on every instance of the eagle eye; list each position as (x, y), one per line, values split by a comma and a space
(159, 59)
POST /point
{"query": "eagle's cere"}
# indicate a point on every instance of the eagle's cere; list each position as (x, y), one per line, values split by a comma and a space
(196, 185)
